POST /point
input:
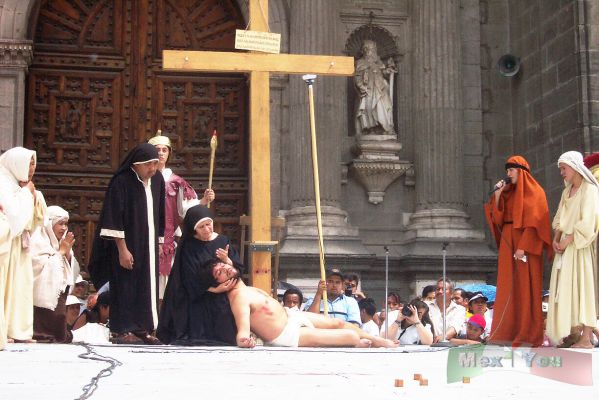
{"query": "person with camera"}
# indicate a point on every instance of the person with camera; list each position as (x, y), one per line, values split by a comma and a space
(411, 324)
(351, 282)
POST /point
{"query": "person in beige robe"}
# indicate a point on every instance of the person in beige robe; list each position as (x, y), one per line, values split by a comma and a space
(24, 208)
(4, 249)
(592, 163)
(572, 298)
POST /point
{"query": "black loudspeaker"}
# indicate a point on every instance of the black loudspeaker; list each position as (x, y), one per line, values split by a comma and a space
(508, 65)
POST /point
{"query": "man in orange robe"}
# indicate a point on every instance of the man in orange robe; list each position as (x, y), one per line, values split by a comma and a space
(518, 216)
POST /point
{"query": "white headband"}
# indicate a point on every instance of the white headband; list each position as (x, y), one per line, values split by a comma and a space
(200, 221)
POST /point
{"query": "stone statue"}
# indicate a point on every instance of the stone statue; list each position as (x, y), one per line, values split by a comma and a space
(374, 81)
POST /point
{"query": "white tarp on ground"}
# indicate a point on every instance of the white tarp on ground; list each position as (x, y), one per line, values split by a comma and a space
(42, 371)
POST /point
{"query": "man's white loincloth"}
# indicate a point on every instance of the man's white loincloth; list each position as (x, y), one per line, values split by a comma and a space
(291, 333)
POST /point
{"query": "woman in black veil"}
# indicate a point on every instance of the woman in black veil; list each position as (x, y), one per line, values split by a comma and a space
(193, 313)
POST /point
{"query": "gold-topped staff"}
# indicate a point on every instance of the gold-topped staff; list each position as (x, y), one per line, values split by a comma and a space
(309, 79)
(213, 146)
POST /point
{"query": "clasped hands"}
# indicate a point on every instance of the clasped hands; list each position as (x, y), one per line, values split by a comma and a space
(560, 246)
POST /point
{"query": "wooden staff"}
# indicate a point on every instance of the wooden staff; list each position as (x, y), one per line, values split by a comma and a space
(213, 146)
(309, 79)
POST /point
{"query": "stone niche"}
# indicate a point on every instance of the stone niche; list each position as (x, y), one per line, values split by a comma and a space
(376, 163)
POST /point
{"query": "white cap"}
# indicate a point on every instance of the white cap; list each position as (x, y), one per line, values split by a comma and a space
(72, 300)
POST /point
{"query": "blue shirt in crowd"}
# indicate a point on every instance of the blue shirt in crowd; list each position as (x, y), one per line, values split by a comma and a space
(343, 307)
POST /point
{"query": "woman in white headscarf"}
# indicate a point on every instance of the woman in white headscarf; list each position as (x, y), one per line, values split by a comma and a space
(54, 271)
(24, 209)
(572, 297)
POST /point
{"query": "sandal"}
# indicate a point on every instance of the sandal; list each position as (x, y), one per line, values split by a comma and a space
(148, 339)
(126, 338)
(27, 341)
(569, 341)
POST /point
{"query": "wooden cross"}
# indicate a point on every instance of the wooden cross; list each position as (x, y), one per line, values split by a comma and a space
(258, 65)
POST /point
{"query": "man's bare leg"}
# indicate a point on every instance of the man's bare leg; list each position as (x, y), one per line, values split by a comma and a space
(322, 322)
(322, 337)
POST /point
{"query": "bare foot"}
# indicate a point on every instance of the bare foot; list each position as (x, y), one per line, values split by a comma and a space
(381, 342)
(582, 344)
(27, 341)
(10, 340)
(364, 343)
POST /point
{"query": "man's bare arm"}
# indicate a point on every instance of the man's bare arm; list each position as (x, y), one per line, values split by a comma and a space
(240, 306)
(315, 306)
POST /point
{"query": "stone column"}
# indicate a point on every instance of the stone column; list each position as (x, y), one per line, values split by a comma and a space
(15, 57)
(438, 120)
(314, 29)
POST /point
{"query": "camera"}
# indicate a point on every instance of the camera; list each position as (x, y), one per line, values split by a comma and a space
(406, 311)
(348, 291)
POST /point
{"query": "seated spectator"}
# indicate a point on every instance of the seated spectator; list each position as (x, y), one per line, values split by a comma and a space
(339, 305)
(474, 332)
(461, 297)
(92, 326)
(428, 294)
(92, 298)
(73, 310)
(54, 270)
(367, 311)
(411, 324)
(455, 313)
(81, 291)
(352, 282)
(478, 305)
(278, 327)
(393, 303)
(293, 299)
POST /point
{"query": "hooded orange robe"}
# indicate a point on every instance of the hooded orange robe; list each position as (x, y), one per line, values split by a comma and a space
(519, 220)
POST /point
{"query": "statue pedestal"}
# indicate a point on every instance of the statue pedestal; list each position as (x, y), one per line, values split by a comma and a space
(377, 164)
(300, 251)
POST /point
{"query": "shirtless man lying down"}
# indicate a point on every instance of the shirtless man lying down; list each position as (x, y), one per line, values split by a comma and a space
(255, 310)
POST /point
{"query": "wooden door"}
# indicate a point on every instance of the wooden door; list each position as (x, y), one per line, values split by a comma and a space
(96, 89)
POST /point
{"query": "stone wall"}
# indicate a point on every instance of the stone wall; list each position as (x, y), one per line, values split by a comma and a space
(549, 106)
(552, 108)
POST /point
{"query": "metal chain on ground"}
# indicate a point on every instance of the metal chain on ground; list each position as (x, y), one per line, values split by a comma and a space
(90, 388)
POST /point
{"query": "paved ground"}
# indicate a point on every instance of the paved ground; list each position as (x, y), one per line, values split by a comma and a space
(42, 371)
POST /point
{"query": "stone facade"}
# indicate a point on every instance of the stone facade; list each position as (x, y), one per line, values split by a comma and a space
(456, 119)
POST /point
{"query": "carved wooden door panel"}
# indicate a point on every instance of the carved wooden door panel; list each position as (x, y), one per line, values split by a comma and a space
(96, 89)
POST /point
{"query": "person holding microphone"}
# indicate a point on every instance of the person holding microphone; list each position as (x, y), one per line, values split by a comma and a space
(518, 216)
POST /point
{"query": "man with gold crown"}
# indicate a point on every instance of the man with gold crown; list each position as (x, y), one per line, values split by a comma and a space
(180, 196)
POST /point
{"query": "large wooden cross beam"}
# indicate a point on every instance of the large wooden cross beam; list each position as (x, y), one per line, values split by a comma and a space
(259, 66)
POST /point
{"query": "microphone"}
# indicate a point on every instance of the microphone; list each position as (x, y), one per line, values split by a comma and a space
(507, 180)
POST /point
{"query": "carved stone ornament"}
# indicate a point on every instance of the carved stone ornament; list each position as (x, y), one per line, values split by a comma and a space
(16, 53)
(377, 164)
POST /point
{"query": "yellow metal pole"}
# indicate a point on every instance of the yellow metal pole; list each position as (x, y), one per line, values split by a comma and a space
(213, 146)
(310, 82)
